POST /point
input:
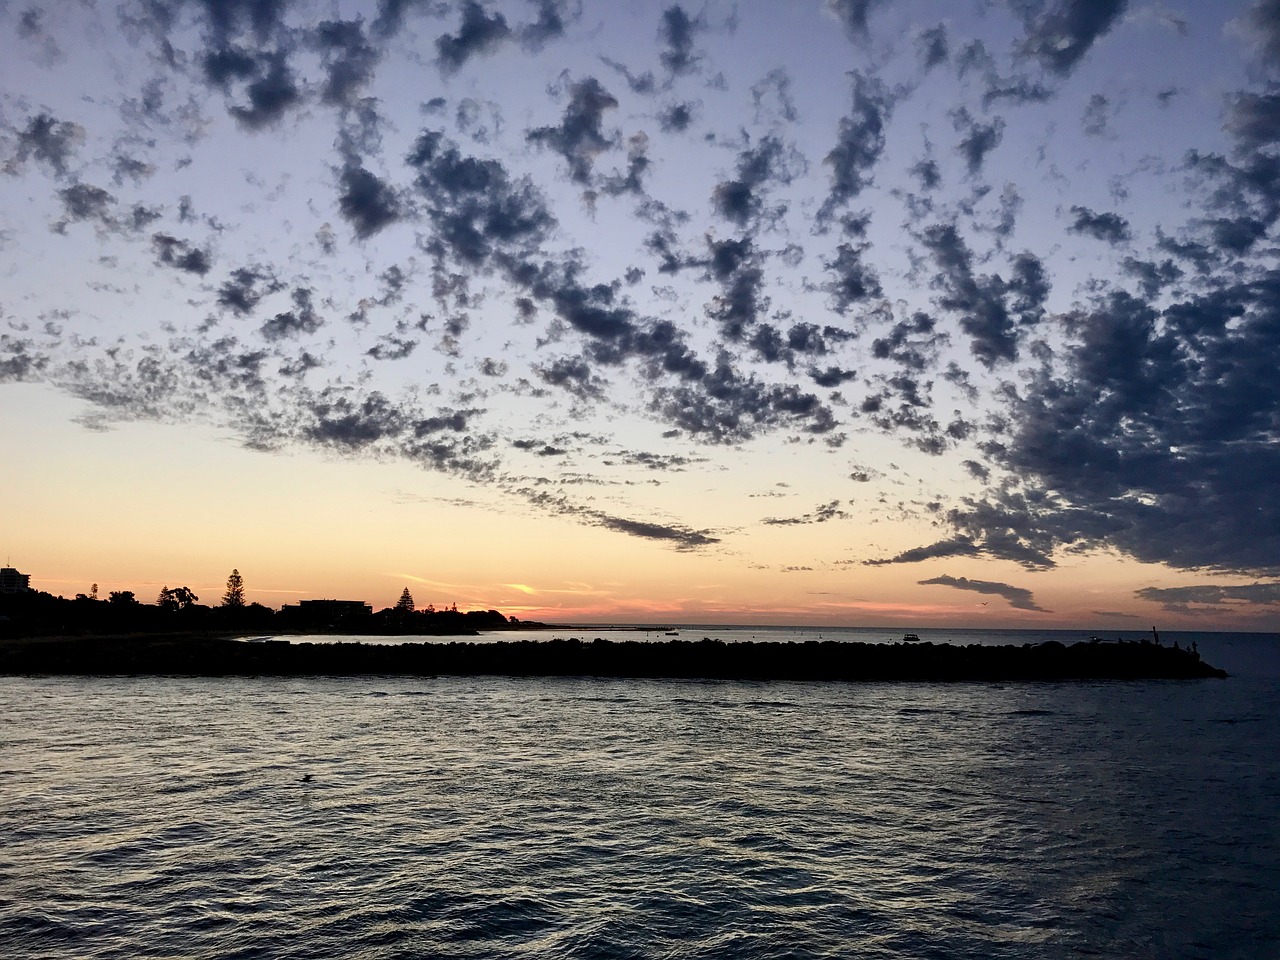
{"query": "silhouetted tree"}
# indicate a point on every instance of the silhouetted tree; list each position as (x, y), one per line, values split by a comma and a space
(165, 601)
(234, 597)
(123, 598)
(93, 592)
(183, 597)
(405, 603)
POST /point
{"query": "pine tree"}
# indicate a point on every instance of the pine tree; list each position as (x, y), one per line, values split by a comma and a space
(405, 603)
(234, 597)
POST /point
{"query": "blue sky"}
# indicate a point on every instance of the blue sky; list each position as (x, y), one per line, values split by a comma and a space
(859, 311)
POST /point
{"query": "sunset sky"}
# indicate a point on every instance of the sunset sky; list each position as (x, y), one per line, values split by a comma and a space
(862, 312)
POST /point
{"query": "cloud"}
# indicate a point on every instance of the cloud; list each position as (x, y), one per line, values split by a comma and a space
(1061, 36)
(677, 31)
(821, 514)
(1018, 597)
(1108, 227)
(1183, 599)
(580, 137)
(46, 140)
(479, 33)
(958, 547)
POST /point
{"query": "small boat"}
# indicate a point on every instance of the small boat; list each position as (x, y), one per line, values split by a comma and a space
(673, 633)
(910, 638)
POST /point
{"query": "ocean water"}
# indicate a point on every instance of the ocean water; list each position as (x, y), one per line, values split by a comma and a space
(531, 818)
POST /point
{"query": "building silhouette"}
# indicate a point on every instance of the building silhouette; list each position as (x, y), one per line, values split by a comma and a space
(11, 581)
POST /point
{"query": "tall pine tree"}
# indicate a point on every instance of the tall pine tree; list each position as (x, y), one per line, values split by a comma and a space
(234, 597)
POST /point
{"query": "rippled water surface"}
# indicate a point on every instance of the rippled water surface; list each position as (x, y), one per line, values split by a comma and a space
(491, 817)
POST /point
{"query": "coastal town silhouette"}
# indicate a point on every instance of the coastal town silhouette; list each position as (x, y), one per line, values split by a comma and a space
(41, 633)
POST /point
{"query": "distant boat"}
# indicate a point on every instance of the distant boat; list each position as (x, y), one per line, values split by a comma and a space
(910, 638)
(673, 633)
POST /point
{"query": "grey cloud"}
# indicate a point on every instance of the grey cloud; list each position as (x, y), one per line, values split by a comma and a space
(677, 31)
(580, 137)
(1018, 597)
(1212, 595)
(245, 287)
(478, 33)
(348, 60)
(302, 319)
(1108, 227)
(1061, 35)
(180, 254)
(366, 201)
(677, 117)
(860, 141)
(933, 46)
(821, 514)
(47, 140)
(979, 138)
(83, 201)
(852, 15)
(957, 547)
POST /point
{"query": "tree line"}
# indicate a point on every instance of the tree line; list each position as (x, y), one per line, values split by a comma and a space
(178, 610)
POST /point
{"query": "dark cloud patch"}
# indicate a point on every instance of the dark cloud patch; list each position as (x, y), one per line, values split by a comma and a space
(662, 462)
(768, 162)
(48, 141)
(831, 376)
(1254, 119)
(675, 535)
(83, 201)
(479, 33)
(1152, 276)
(860, 141)
(913, 343)
(550, 24)
(676, 32)
(246, 286)
(1062, 34)
(983, 302)
(391, 347)
(978, 139)
(366, 201)
(738, 267)
(457, 421)
(957, 547)
(339, 421)
(302, 319)
(853, 280)
(580, 137)
(271, 95)
(1108, 227)
(933, 46)
(1019, 598)
(1141, 438)
(1019, 91)
(677, 117)
(479, 214)
(179, 254)
(852, 15)
(1212, 596)
(1264, 20)
(679, 536)
(726, 407)
(574, 376)
(348, 60)
(821, 514)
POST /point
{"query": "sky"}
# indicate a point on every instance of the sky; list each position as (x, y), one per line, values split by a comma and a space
(861, 312)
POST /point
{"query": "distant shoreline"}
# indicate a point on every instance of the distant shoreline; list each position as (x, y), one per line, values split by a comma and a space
(215, 656)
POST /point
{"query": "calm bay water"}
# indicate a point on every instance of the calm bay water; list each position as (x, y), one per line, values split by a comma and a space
(498, 817)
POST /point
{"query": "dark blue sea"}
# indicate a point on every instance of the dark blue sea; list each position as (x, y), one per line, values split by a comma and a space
(536, 818)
